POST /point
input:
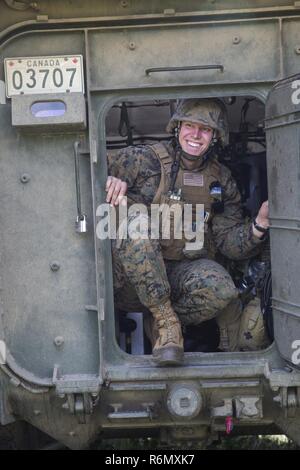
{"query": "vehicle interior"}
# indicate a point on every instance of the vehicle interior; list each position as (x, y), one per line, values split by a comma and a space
(136, 123)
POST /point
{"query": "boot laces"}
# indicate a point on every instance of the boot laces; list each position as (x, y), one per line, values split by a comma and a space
(167, 323)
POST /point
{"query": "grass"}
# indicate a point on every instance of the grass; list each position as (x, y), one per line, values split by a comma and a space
(280, 442)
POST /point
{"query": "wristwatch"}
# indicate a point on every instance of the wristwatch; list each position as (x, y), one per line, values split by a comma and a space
(261, 229)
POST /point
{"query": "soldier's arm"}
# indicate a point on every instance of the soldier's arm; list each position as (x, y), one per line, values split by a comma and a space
(234, 236)
(123, 169)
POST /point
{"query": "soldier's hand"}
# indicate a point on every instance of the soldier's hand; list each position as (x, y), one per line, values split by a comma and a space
(262, 218)
(116, 189)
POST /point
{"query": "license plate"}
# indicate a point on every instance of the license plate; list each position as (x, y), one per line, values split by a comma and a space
(36, 75)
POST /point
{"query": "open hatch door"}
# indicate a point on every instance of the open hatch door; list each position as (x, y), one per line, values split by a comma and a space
(283, 161)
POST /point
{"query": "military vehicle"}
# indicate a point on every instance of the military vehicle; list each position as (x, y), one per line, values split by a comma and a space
(78, 79)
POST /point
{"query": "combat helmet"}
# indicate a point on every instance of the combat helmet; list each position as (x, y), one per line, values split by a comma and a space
(207, 111)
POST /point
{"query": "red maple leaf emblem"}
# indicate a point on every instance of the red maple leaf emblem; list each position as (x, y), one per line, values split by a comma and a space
(74, 60)
(11, 63)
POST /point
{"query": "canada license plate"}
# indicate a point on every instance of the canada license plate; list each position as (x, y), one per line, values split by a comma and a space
(36, 75)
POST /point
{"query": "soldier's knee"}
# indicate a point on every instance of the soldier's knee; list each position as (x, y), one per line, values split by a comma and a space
(226, 294)
(216, 294)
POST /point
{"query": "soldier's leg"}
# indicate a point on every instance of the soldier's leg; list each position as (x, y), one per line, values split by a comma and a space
(200, 289)
(229, 320)
(140, 260)
(252, 332)
(242, 329)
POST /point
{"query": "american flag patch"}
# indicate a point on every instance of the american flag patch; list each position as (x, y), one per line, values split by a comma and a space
(193, 179)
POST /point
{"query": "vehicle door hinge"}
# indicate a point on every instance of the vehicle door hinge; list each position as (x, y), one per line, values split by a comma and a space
(81, 390)
(288, 399)
(80, 405)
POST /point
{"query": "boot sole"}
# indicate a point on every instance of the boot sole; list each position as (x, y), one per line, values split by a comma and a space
(168, 356)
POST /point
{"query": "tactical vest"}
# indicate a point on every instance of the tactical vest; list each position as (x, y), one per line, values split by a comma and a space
(195, 187)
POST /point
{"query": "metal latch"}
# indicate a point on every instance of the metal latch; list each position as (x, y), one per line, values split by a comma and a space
(81, 221)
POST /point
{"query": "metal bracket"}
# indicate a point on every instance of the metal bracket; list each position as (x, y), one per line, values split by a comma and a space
(147, 413)
(77, 383)
(226, 409)
(248, 407)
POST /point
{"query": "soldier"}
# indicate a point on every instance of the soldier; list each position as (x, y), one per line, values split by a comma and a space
(177, 286)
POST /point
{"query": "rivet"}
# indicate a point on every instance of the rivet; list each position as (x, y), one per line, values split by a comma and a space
(124, 4)
(132, 46)
(25, 178)
(236, 40)
(59, 341)
(72, 433)
(297, 50)
(54, 265)
(37, 412)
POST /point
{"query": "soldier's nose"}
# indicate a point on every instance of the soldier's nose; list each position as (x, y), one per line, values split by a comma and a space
(196, 133)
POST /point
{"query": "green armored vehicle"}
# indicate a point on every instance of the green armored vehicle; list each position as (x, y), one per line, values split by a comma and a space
(78, 80)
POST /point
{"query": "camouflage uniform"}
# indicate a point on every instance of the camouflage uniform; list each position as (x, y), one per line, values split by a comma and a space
(199, 289)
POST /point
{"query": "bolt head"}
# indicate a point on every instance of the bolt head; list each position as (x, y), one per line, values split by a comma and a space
(54, 266)
(25, 178)
(59, 341)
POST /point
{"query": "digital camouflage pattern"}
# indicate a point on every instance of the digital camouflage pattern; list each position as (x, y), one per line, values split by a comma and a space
(209, 112)
(199, 289)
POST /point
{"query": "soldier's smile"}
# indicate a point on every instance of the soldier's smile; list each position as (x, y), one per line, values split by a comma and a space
(194, 138)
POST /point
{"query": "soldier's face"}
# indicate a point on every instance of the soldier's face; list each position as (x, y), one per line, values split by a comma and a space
(194, 138)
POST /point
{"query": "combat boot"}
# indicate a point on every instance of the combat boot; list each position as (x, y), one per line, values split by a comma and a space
(167, 340)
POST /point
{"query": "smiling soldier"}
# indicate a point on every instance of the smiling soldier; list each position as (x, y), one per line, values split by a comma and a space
(177, 286)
